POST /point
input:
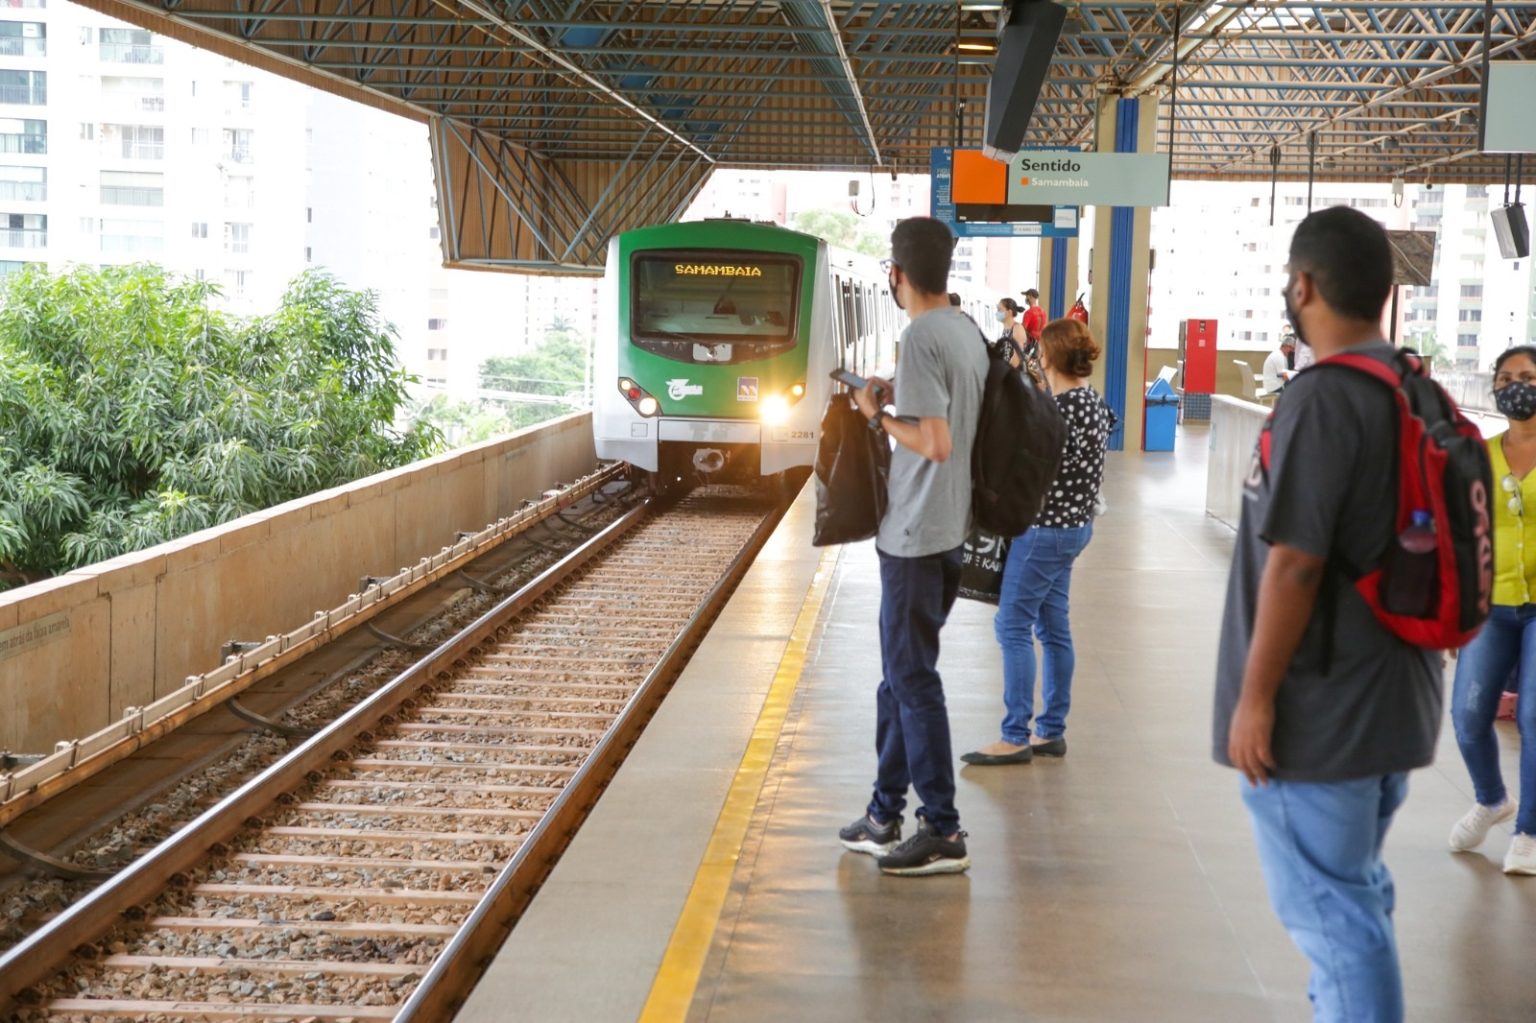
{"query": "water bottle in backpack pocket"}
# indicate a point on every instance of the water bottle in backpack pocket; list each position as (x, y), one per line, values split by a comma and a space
(1410, 572)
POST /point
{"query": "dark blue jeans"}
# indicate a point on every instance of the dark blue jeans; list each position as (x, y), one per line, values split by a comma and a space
(1507, 643)
(912, 721)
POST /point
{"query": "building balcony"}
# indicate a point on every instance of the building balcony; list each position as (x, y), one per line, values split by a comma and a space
(32, 145)
(132, 53)
(25, 191)
(239, 154)
(34, 95)
(20, 46)
(24, 237)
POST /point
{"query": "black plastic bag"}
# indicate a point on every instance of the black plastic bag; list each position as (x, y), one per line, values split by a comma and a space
(981, 566)
(852, 463)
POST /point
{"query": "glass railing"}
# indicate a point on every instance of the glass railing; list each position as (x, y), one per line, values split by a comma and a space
(143, 151)
(114, 195)
(134, 243)
(132, 53)
(20, 46)
(36, 145)
(34, 95)
(28, 191)
(24, 237)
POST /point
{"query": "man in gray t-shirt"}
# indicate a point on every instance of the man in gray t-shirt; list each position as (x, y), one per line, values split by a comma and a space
(938, 401)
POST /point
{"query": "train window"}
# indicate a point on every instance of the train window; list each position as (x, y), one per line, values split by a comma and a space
(709, 306)
(850, 333)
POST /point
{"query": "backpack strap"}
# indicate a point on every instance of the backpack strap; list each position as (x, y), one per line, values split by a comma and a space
(1404, 365)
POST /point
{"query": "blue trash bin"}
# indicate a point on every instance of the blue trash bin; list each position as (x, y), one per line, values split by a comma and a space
(1162, 413)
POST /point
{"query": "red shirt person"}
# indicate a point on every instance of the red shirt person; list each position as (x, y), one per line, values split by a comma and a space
(1034, 316)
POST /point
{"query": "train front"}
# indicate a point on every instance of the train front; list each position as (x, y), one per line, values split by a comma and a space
(707, 356)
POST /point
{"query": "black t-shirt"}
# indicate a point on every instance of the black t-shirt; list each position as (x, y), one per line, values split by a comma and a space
(1076, 490)
(1371, 704)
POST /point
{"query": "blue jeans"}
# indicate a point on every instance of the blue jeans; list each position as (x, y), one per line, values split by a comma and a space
(1507, 642)
(1033, 603)
(911, 719)
(1320, 847)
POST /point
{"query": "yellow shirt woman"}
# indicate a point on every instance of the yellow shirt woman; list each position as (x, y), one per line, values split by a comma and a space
(1514, 532)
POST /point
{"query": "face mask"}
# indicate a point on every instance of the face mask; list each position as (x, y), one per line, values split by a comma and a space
(895, 297)
(1002, 317)
(1516, 400)
(1292, 317)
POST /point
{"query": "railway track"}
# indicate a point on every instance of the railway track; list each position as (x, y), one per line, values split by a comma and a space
(92, 823)
(368, 873)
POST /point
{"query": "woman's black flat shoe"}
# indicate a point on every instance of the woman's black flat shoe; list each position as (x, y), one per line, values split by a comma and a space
(1050, 748)
(1022, 756)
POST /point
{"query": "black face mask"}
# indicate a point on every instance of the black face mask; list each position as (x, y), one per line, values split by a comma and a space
(1516, 400)
(891, 282)
(1291, 315)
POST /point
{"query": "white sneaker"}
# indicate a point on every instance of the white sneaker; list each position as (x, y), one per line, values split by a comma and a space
(1521, 858)
(1475, 824)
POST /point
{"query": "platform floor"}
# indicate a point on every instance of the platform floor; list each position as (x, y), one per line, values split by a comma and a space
(1118, 884)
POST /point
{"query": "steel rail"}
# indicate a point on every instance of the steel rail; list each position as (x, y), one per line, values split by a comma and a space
(48, 948)
(37, 783)
(445, 984)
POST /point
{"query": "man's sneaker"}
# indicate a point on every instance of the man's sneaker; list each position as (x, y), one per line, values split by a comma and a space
(927, 853)
(1475, 824)
(865, 836)
(1521, 858)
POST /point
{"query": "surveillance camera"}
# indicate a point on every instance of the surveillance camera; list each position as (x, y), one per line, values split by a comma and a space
(1429, 186)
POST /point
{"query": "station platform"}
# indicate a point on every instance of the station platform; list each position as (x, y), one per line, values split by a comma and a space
(1120, 883)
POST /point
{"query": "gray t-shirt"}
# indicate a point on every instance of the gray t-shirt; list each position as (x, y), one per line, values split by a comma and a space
(942, 371)
(1367, 703)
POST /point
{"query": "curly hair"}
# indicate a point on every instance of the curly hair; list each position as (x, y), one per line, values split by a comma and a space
(1069, 346)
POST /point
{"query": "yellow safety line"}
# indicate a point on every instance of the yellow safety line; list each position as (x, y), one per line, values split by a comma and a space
(678, 976)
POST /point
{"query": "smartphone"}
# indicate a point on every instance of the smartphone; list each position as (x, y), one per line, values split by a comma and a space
(851, 379)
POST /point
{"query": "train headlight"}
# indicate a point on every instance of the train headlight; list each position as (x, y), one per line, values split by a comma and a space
(797, 391)
(773, 409)
(635, 394)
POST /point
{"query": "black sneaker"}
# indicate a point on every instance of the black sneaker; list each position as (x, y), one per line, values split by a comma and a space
(926, 853)
(865, 836)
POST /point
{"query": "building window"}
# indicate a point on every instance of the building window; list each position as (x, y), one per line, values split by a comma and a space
(24, 230)
(129, 188)
(28, 4)
(1471, 291)
(239, 192)
(23, 136)
(237, 239)
(133, 141)
(131, 237)
(12, 266)
(87, 132)
(1477, 191)
(1469, 316)
(133, 95)
(200, 230)
(437, 355)
(23, 39)
(26, 88)
(130, 46)
(26, 183)
(1466, 340)
(437, 323)
(309, 254)
(309, 214)
(237, 282)
(237, 97)
(237, 144)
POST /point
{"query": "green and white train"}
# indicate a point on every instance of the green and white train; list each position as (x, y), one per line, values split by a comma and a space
(716, 344)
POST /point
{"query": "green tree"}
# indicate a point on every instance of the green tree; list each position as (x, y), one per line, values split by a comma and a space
(556, 366)
(132, 413)
(842, 228)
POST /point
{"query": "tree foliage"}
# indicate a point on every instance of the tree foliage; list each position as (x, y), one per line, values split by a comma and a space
(844, 229)
(131, 412)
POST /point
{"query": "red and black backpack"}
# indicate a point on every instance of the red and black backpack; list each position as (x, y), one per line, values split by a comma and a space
(1433, 595)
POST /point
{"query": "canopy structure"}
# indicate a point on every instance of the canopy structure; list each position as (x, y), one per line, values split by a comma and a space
(557, 123)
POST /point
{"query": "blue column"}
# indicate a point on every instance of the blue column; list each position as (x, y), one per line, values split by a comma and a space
(1056, 301)
(1122, 233)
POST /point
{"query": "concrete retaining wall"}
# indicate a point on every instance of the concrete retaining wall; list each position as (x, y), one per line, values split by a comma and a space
(1235, 428)
(77, 649)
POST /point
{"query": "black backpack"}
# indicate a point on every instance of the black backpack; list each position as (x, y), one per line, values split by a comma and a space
(1019, 439)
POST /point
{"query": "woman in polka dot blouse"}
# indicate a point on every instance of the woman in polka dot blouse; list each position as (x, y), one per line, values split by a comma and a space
(1036, 578)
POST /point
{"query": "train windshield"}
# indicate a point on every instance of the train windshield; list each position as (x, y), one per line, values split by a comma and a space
(714, 307)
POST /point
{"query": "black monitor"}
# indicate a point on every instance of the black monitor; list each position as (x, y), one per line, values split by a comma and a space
(1026, 42)
(1513, 231)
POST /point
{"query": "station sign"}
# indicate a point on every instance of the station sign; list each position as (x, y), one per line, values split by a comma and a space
(970, 194)
(1088, 179)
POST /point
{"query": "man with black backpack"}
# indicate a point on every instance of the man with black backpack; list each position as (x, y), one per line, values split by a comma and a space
(1321, 702)
(937, 396)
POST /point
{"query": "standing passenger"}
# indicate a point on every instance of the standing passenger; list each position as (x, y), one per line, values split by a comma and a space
(1506, 642)
(1013, 340)
(938, 401)
(1034, 316)
(1320, 707)
(1038, 573)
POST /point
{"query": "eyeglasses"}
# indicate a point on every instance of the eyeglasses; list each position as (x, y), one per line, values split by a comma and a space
(1512, 488)
(886, 265)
